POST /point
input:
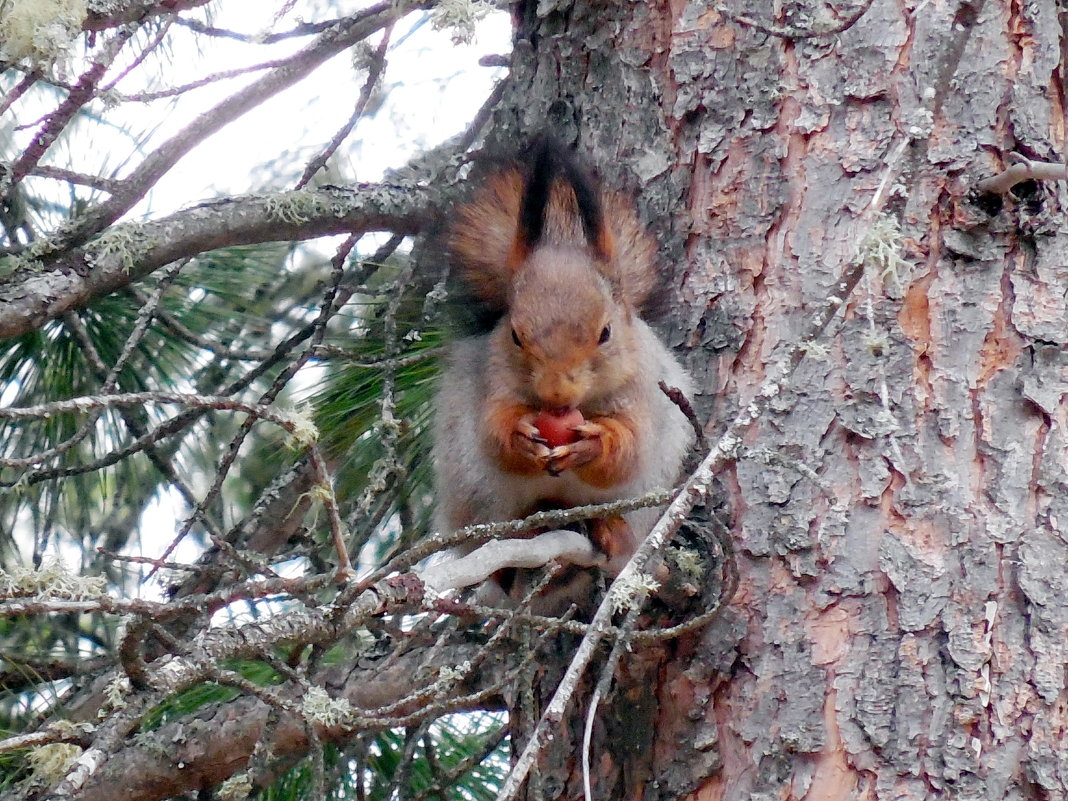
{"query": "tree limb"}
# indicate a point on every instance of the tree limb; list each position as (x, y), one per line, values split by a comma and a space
(204, 749)
(35, 294)
(1022, 170)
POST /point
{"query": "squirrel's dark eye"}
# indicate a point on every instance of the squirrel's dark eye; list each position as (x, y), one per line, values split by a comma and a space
(515, 339)
(606, 332)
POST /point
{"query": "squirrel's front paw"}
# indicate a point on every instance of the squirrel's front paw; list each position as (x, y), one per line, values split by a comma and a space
(528, 445)
(579, 453)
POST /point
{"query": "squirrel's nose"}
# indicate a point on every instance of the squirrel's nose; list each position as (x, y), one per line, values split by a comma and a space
(558, 391)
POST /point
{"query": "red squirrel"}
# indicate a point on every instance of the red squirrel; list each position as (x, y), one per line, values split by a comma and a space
(558, 404)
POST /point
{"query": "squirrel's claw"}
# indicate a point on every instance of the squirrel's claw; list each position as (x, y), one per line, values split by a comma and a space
(528, 444)
(589, 430)
(525, 427)
(570, 457)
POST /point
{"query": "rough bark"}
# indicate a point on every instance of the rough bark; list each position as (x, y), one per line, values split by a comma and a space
(901, 624)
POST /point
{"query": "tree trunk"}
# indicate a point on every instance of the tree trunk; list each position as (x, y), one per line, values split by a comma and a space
(899, 519)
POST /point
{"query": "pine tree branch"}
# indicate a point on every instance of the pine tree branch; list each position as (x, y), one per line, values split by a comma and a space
(36, 293)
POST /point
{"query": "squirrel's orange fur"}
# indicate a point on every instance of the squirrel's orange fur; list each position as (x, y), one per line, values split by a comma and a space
(566, 267)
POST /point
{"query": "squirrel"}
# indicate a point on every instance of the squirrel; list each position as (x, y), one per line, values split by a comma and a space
(558, 403)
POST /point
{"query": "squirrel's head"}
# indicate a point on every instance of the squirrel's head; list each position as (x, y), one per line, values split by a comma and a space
(568, 330)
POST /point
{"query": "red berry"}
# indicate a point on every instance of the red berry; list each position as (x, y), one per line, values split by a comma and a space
(555, 426)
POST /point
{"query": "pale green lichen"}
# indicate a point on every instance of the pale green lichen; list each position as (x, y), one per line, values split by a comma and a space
(292, 208)
(115, 695)
(880, 249)
(68, 728)
(320, 709)
(109, 98)
(127, 243)
(236, 788)
(363, 57)
(9, 264)
(321, 493)
(389, 427)
(51, 581)
(301, 206)
(51, 762)
(301, 429)
(450, 674)
(688, 561)
(460, 17)
(378, 481)
(628, 592)
(39, 31)
(816, 350)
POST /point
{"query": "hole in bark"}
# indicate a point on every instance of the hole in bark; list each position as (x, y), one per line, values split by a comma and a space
(1030, 194)
(990, 203)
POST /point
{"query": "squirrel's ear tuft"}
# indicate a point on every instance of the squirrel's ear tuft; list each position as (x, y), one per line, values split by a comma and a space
(482, 241)
(552, 170)
(542, 168)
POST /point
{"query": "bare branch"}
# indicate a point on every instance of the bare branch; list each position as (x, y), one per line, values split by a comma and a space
(571, 547)
(374, 73)
(137, 11)
(1023, 170)
(91, 402)
(58, 120)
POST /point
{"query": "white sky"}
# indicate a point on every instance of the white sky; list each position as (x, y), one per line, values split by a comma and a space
(433, 88)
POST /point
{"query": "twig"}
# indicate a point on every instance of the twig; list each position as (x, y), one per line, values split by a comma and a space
(207, 80)
(108, 377)
(69, 176)
(90, 402)
(157, 39)
(28, 80)
(603, 685)
(147, 560)
(783, 32)
(304, 29)
(341, 354)
(329, 500)
(317, 330)
(398, 785)
(482, 116)
(678, 397)
(491, 744)
(481, 532)
(79, 95)
(571, 547)
(388, 469)
(1022, 170)
(374, 72)
(59, 732)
